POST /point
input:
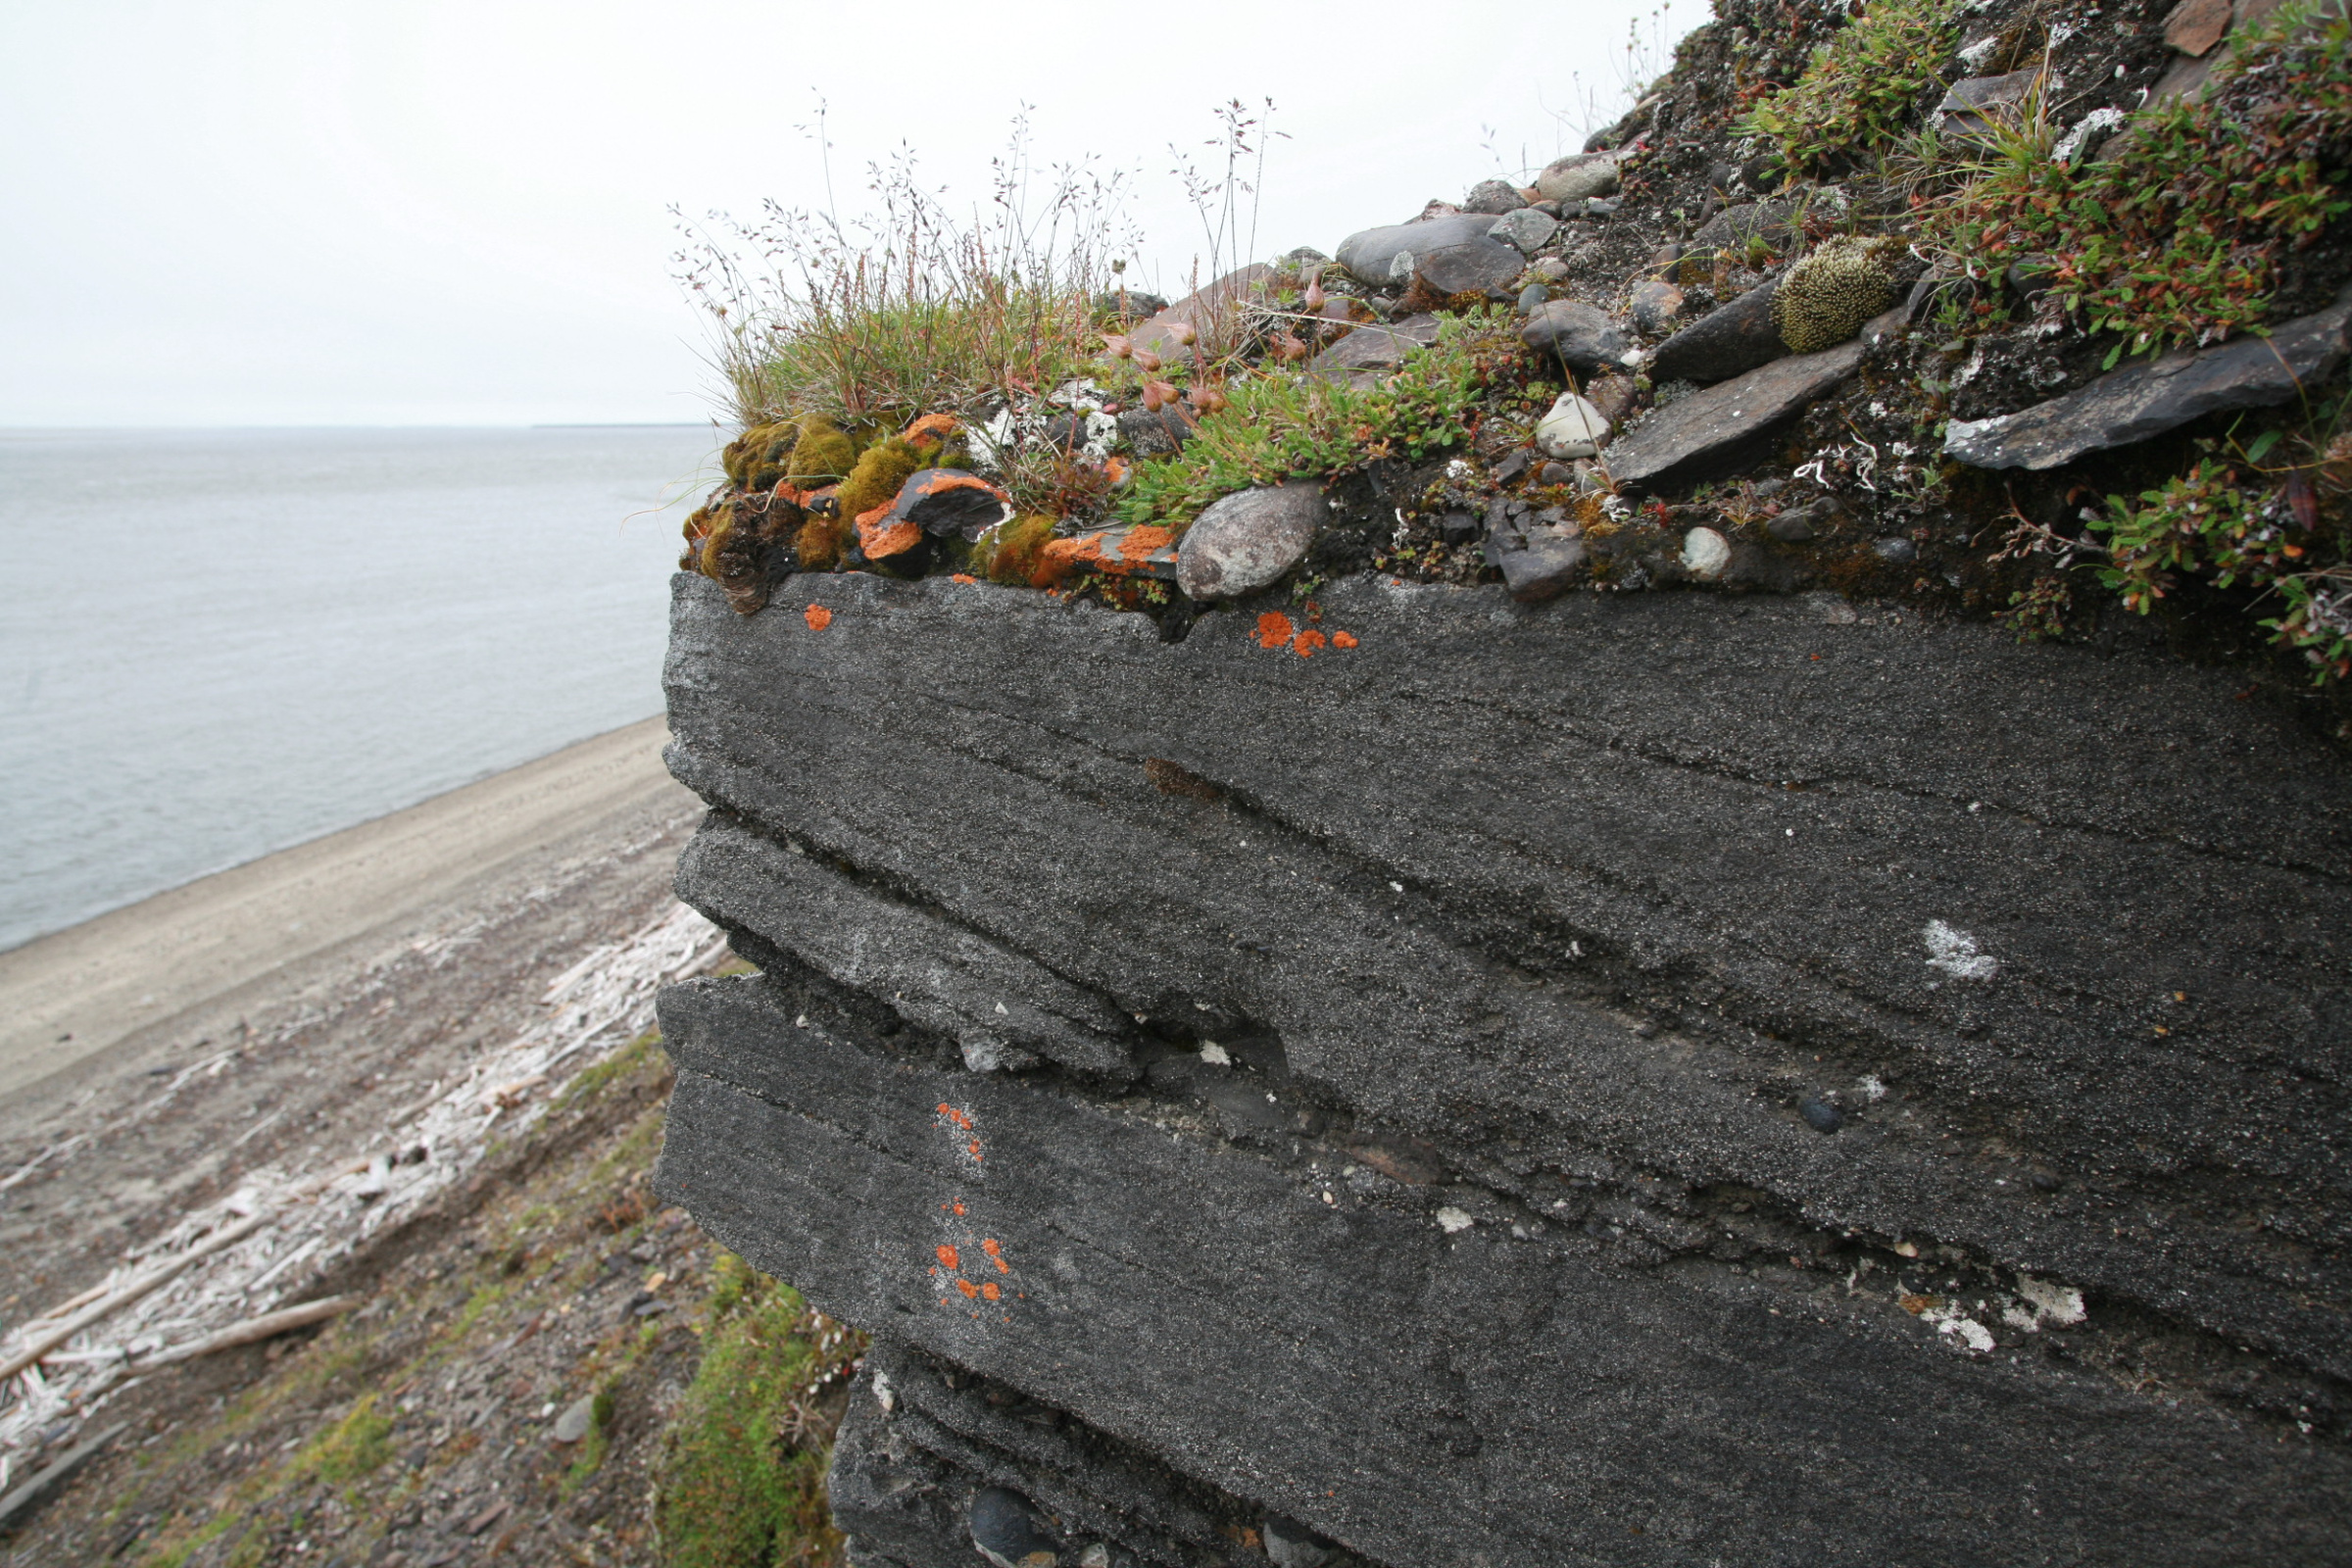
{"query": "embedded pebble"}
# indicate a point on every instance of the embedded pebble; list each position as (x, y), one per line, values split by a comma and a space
(1821, 1115)
(1574, 428)
(577, 1417)
(1705, 554)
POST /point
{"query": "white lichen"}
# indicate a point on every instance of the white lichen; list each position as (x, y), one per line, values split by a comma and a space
(1956, 953)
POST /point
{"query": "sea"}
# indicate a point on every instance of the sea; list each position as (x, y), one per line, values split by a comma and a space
(214, 644)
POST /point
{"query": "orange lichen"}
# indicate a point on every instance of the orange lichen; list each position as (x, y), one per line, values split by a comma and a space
(1274, 629)
(881, 534)
(1308, 642)
(929, 428)
(973, 1148)
(968, 1288)
(956, 1116)
(960, 1205)
(963, 576)
(817, 617)
(1142, 543)
(1342, 639)
(996, 1256)
(1062, 557)
(992, 1290)
(950, 1257)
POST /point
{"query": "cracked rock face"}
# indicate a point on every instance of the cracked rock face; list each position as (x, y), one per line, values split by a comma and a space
(1624, 1079)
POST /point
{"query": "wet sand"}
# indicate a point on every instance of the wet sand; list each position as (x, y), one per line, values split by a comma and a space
(96, 1000)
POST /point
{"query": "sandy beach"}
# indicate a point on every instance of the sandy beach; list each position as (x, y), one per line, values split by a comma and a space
(278, 1012)
(90, 998)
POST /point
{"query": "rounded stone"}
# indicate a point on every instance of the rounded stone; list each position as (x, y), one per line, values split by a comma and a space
(1895, 552)
(1821, 1115)
(1574, 428)
(1705, 554)
(1006, 1531)
(1578, 176)
(1525, 228)
(1246, 541)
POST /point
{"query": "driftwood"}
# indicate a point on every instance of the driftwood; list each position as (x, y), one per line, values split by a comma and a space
(144, 1285)
(268, 1326)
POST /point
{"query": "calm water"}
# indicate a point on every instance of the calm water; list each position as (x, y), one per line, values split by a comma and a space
(214, 644)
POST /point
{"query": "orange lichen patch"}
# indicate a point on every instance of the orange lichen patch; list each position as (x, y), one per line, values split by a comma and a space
(996, 1256)
(973, 1148)
(1342, 639)
(881, 534)
(943, 481)
(992, 1290)
(1274, 629)
(962, 577)
(949, 1256)
(968, 1288)
(817, 617)
(1062, 557)
(786, 491)
(930, 427)
(956, 1116)
(960, 1205)
(1142, 543)
(1308, 642)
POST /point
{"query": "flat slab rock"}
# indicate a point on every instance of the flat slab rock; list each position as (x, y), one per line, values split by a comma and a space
(1367, 354)
(2146, 399)
(1612, 898)
(1730, 340)
(1712, 430)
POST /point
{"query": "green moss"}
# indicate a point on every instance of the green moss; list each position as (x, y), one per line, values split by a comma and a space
(1825, 298)
(755, 460)
(1013, 552)
(1861, 86)
(881, 469)
(822, 541)
(822, 455)
(740, 1482)
(351, 1447)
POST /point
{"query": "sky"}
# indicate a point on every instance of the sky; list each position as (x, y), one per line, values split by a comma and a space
(457, 212)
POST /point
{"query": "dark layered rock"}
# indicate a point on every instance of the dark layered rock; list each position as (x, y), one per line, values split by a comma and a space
(1718, 429)
(2148, 399)
(1542, 1084)
(1730, 340)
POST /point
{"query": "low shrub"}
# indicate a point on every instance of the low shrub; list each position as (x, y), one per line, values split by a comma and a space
(1279, 424)
(1861, 86)
(2180, 235)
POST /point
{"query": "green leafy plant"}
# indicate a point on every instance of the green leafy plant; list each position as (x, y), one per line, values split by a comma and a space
(1279, 424)
(2179, 236)
(1860, 86)
(2229, 521)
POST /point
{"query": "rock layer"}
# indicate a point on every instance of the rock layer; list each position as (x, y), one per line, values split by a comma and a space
(1621, 1080)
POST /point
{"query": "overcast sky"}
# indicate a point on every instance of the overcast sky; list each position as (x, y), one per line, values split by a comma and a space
(454, 211)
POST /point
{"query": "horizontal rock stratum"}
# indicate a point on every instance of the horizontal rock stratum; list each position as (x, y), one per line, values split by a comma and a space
(1632, 1079)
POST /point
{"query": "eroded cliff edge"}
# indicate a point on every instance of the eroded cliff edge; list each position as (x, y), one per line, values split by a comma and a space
(1629, 1079)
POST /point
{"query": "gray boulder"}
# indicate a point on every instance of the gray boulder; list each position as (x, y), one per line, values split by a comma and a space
(1731, 228)
(2148, 399)
(1371, 253)
(1728, 341)
(1247, 541)
(1577, 176)
(1484, 266)
(1712, 431)
(1496, 196)
(1526, 229)
(1583, 337)
(1656, 305)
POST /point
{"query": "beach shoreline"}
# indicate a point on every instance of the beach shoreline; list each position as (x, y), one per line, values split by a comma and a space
(98, 998)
